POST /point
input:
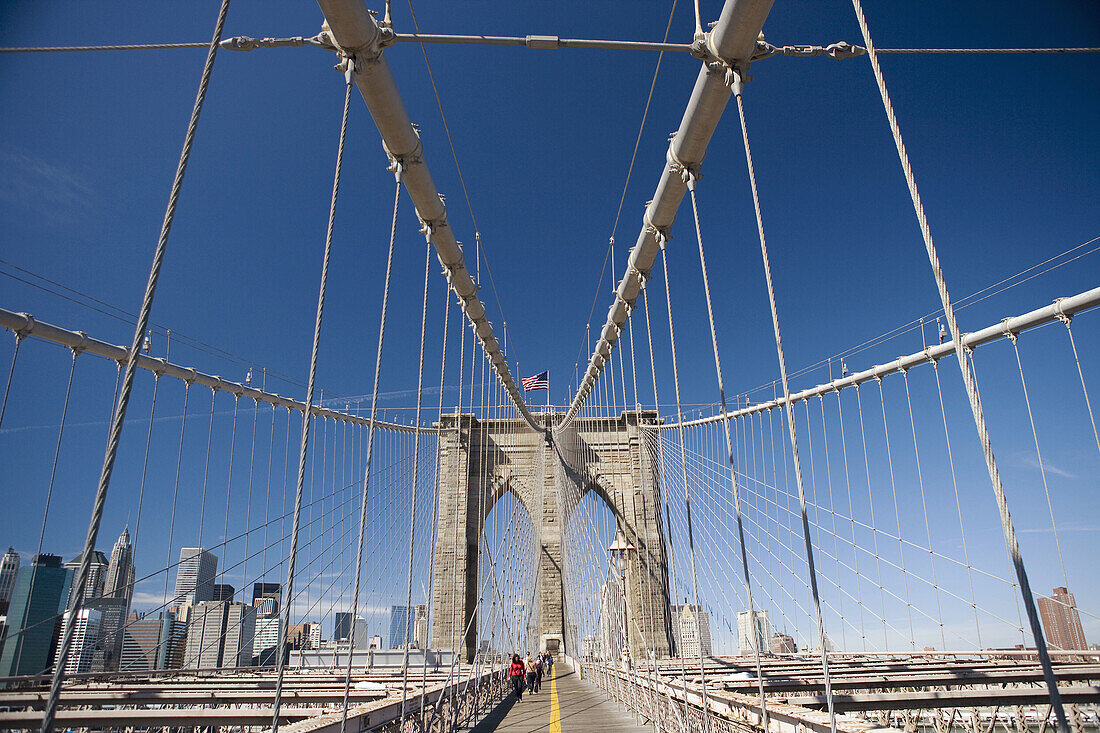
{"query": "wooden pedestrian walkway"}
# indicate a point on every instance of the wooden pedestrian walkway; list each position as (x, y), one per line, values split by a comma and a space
(565, 704)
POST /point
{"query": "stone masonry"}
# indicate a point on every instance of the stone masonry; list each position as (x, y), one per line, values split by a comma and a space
(480, 460)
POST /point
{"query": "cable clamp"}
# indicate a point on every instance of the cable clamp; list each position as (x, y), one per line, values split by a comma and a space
(902, 368)
(659, 233)
(1008, 332)
(1064, 317)
(25, 330)
(688, 172)
(80, 347)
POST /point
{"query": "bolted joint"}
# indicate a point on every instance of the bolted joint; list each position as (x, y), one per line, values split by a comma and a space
(688, 172)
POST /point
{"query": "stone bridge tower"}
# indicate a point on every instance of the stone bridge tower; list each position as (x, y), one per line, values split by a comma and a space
(549, 472)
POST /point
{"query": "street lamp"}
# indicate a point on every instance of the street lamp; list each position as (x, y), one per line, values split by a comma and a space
(620, 560)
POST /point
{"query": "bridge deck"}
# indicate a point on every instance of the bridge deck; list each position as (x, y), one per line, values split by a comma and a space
(564, 704)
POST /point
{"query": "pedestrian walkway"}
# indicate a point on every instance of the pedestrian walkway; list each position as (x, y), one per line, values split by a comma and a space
(565, 704)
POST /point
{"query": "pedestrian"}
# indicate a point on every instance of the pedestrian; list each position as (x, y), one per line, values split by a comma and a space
(540, 665)
(549, 663)
(515, 674)
(532, 674)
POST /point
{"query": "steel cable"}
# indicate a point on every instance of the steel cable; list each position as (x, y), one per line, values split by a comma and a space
(295, 522)
(128, 377)
(969, 382)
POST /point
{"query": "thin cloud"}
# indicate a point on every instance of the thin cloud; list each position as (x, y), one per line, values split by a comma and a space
(1050, 468)
(31, 182)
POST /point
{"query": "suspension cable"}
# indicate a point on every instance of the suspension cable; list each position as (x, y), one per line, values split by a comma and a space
(128, 378)
(786, 395)
(415, 477)
(969, 382)
(691, 180)
(296, 521)
(398, 169)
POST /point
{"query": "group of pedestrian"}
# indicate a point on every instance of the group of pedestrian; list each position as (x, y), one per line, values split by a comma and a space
(527, 673)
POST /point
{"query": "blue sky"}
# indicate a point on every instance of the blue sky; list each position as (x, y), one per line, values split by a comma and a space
(1004, 149)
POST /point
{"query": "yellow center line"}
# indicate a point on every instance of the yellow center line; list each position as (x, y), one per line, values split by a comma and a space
(555, 714)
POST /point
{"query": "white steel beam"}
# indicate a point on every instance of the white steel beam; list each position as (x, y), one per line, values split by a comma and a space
(356, 34)
(730, 44)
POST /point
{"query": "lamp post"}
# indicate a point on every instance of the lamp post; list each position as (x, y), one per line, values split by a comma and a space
(620, 560)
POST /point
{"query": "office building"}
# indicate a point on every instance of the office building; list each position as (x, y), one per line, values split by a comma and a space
(85, 636)
(97, 573)
(314, 631)
(783, 644)
(694, 631)
(753, 634)
(9, 568)
(300, 636)
(119, 581)
(266, 598)
(341, 626)
(1061, 621)
(699, 624)
(112, 620)
(420, 634)
(34, 618)
(151, 643)
(220, 634)
(402, 626)
(195, 575)
(223, 592)
(266, 641)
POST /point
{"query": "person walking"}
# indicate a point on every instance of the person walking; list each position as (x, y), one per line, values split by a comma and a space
(532, 673)
(549, 663)
(515, 674)
(540, 665)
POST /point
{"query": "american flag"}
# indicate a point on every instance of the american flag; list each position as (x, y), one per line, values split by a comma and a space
(538, 381)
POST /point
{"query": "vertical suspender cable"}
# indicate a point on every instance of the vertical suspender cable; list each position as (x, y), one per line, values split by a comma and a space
(415, 476)
(729, 445)
(397, 171)
(435, 509)
(790, 407)
(295, 522)
(662, 241)
(128, 377)
(972, 392)
(11, 373)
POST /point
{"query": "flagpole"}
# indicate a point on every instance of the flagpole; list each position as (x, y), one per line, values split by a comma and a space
(547, 390)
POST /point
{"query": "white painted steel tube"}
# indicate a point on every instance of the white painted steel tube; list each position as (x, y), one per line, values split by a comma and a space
(27, 325)
(355, 31)
(1038, 317)
(734, 40)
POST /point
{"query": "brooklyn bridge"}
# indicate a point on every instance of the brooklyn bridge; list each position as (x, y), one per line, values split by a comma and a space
(862, 541)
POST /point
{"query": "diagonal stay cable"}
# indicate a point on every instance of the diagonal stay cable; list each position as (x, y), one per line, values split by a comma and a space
(972, 392)
(128, 377)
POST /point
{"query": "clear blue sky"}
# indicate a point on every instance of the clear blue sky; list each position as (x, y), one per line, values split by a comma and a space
(1004, 148)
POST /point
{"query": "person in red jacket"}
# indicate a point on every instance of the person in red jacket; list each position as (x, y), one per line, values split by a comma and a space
(515, 673)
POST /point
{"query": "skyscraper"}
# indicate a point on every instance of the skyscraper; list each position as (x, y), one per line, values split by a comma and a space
(153, 643)
(9, 567)
(753, 633)
(1061, 621)
(195, 575)
(420, 635)
(33, 616)
(265, 599)
(119, 582)
(220, 634)
(85, 635)
(97, 572)
(401, 626)
(341, 626)
(694, 626)
(223, 592)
